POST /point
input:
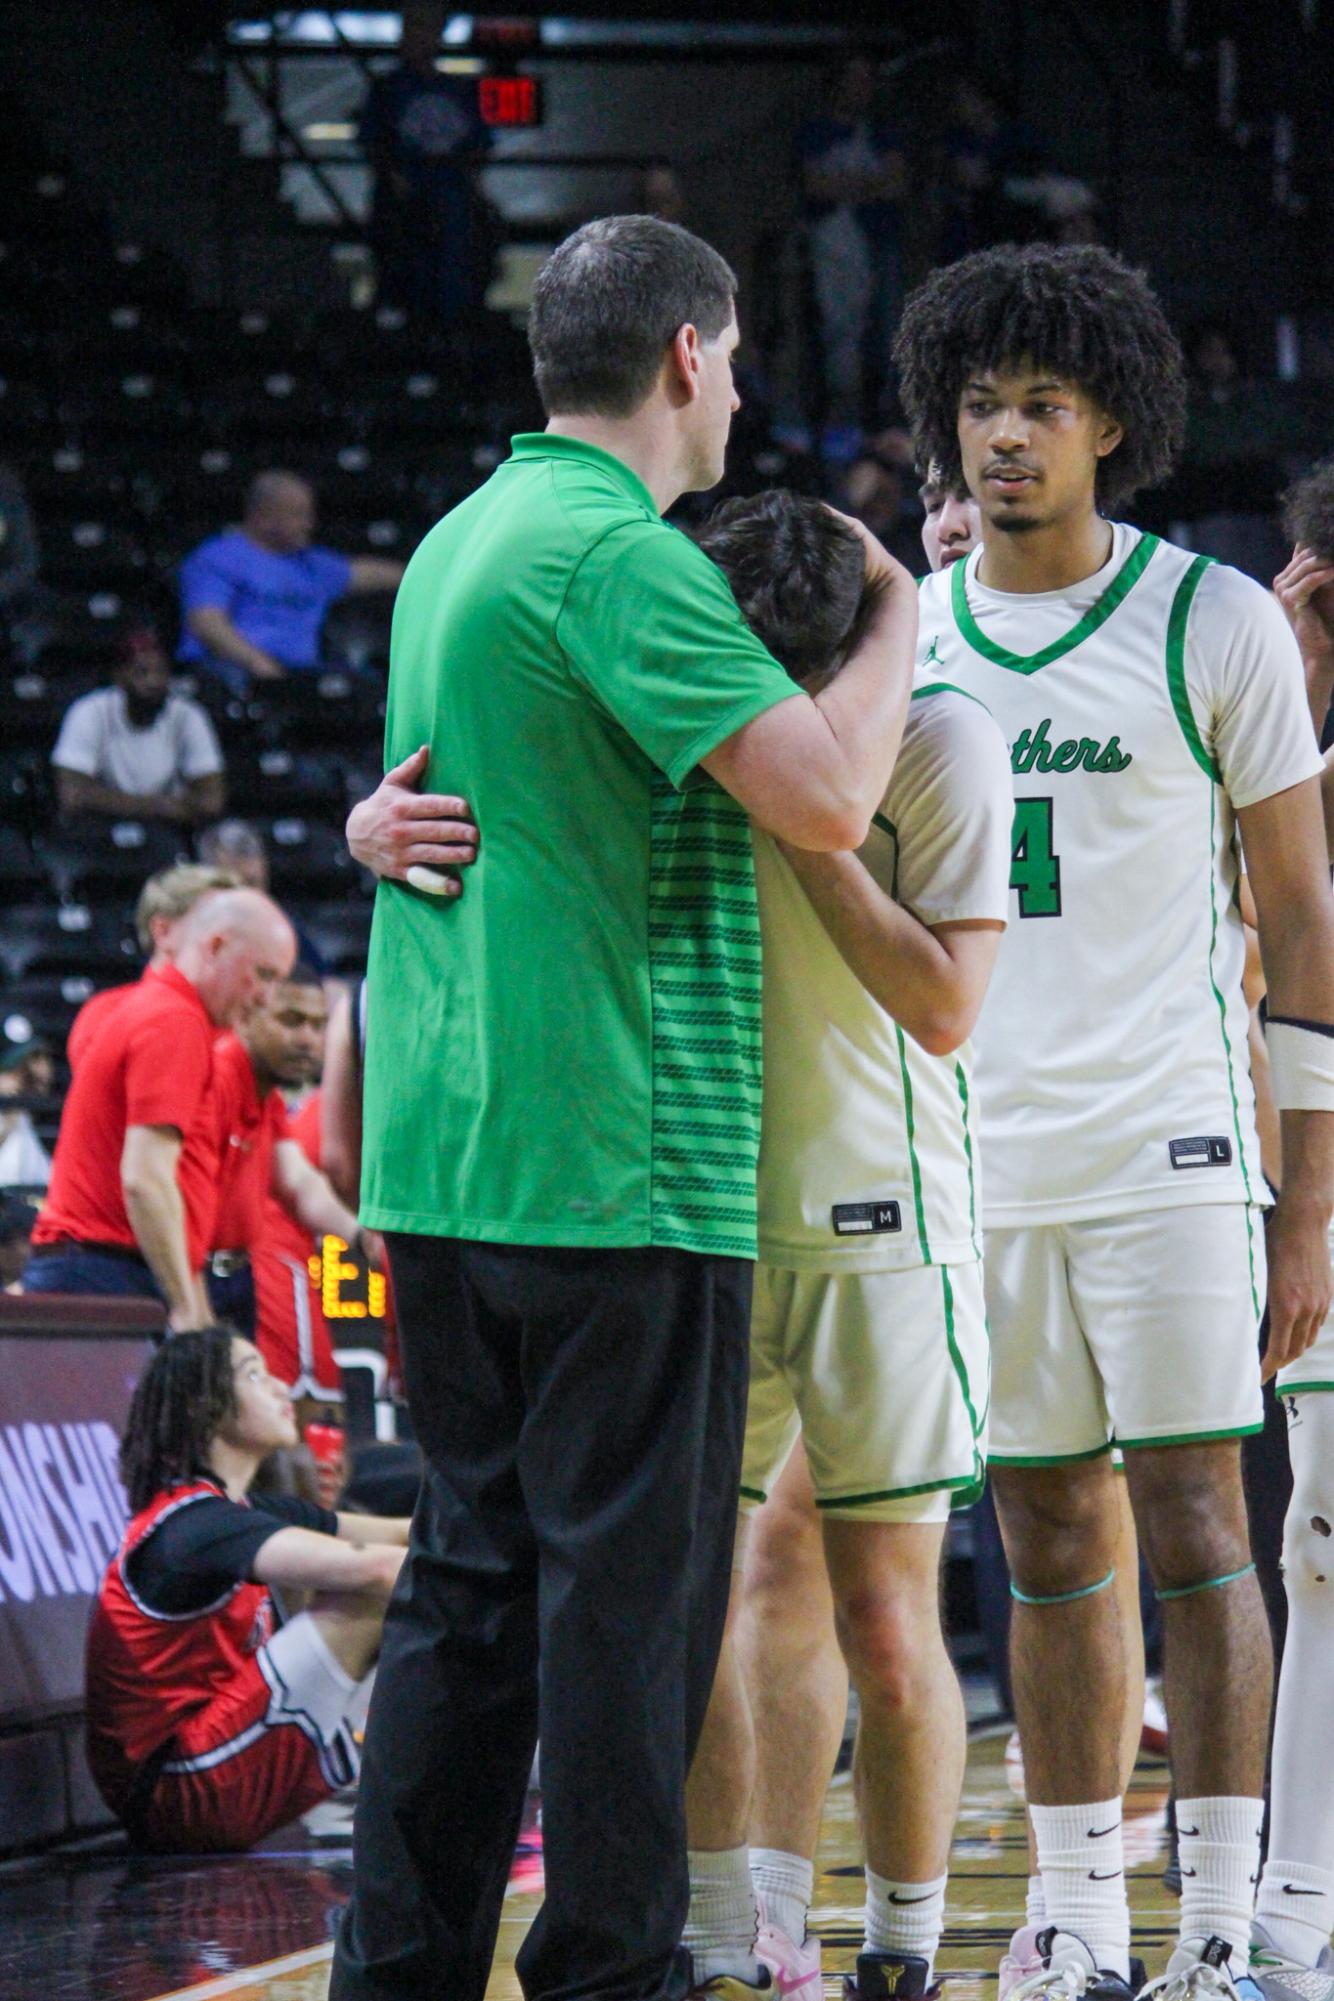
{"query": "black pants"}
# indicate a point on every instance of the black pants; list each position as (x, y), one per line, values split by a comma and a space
(581, 1414)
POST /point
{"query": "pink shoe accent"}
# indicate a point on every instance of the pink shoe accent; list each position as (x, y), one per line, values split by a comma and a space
(1021, 1962)
(795, 1968)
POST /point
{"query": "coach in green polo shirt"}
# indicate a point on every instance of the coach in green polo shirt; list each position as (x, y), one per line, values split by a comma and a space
(561, 1126)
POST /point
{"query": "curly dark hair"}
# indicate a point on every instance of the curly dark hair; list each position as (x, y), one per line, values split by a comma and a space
(183, 1396)
(1308, 511)
(1077, 310)
(797, 572)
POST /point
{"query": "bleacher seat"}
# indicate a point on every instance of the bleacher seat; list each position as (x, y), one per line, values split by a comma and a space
(308, 859)
(35, 704)
(280, 403)
(25, 787)
(47, 1005)
(98, 862)
(25, 408)
(317, 711)
(274, 780)
(19, 870)
(223, 341)
(135, 405)
(342, 932)
(64, 939)
(356, 630)
(67, 481)
(95, 553)
(81, 631)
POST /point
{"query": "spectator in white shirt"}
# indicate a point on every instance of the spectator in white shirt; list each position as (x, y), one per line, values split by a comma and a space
(136, 751)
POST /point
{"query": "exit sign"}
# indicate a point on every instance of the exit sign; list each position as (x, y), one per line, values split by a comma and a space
(510, 100)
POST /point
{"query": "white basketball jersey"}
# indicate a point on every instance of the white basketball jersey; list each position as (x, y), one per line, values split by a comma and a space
(1142, 707)
(868, 1150)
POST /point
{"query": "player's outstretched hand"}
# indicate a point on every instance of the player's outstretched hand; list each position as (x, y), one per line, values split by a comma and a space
(406, 835)
(1297, 1250)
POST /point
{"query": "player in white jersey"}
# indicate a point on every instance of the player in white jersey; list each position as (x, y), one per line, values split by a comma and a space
(795, 1678)
(1295, 1906)
(868, 1331)
(1154, 707)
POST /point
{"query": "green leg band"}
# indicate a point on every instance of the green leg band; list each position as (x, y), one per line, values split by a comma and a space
(1067, 1597)
(1209, 1584)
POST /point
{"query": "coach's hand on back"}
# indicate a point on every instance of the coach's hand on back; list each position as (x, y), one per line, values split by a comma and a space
(399, 829)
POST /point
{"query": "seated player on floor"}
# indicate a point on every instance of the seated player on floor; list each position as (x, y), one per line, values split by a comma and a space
(209, 1722)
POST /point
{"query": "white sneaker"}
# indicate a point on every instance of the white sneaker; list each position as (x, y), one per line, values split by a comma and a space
(1282, 1979)
(795, 1968)
(1066, 1968)
(1201, 1969)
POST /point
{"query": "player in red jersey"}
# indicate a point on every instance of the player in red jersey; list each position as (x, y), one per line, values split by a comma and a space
(209, 1724)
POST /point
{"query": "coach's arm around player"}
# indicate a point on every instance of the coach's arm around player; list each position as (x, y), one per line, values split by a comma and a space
(811, 772)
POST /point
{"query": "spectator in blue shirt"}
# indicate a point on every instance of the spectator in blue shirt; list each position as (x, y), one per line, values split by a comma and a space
(253, 599)
(432, 232)
(853, 175)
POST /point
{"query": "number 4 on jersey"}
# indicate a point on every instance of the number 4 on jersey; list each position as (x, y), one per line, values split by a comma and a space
(1035, 867)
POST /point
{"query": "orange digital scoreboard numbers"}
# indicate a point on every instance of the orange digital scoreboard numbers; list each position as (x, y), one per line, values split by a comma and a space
(349, 1289)
(509, 101)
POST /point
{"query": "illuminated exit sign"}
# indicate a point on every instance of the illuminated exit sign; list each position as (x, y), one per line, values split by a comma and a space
(509, 101)
(349, 1289)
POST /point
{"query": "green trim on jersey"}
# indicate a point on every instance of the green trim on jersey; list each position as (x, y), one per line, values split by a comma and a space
(945, 688)
(962, 1083)
(1299, 1389)
(754, 1494)
(888, 827)
(1048, 1459)
(1227, 1050)
(897, 1493)
(919, 1207)
(1118, 589)
(947, 1304)
(1176, 667)
(1189, 1437)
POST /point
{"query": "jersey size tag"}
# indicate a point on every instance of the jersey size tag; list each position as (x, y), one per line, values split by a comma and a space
(865, 1219)
(1209, 1150)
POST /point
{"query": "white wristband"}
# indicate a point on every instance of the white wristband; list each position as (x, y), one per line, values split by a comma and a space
(1301, 1063)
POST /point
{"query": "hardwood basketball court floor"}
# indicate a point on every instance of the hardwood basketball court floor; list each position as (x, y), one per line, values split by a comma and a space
(96, 1924)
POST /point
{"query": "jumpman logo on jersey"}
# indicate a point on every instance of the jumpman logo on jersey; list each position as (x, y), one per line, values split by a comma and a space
(933, 658)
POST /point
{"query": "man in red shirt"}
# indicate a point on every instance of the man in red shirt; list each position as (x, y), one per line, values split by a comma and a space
(133, 1183)
(262, 1166)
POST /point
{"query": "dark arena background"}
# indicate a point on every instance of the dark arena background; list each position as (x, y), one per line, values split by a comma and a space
(236, 314)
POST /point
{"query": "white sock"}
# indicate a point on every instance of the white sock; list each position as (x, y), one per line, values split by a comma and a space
(1035, 1906)
(905, 1917)
(1220, 1865)
(721, 1925)
(1296, 1908)
(1084, 1878)
(1302, 1783)
(784, 1885)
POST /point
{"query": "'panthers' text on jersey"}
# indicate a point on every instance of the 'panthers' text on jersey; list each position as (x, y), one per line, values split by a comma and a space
(1142, 707)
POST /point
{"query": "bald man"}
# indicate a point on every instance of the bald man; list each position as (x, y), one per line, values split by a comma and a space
(134, 1180)
(253, 599)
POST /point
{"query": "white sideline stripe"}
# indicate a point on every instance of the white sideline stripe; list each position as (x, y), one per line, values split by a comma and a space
(250, 1976)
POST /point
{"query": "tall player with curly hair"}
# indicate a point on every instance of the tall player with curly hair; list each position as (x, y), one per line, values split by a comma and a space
(1154, 707)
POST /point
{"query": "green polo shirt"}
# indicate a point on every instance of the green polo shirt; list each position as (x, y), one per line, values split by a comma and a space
(569, 1053)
